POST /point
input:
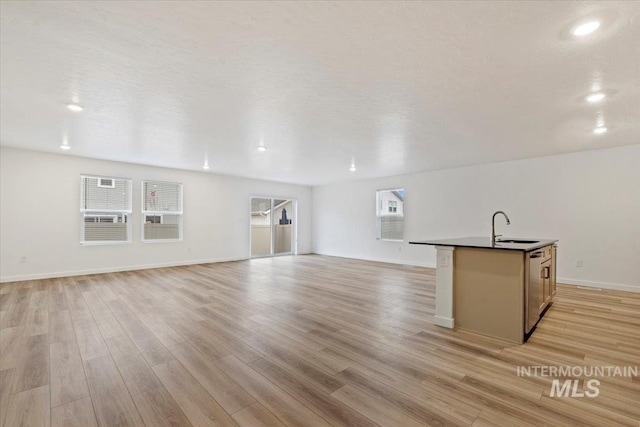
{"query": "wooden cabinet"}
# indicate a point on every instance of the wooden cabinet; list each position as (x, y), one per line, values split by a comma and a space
(488, 292)
(539, 285)
(552, 283)
(547, 274)
(546, 284)
(502, 293)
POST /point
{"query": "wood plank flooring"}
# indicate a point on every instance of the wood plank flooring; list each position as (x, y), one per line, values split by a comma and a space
(295, 341)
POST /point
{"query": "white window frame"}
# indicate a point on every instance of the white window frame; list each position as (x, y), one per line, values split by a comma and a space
(379, 209)
(105, 212)
(161, 213)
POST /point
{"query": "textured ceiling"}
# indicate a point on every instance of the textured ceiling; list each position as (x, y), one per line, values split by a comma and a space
(398, 87)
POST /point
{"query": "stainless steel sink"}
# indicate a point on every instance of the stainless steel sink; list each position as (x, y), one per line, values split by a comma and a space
(524, 242)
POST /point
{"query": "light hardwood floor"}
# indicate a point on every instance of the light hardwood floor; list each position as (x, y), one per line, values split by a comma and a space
(307, 340)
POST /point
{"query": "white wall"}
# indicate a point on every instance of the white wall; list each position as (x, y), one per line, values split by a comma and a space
(39, 216)
(590, 201)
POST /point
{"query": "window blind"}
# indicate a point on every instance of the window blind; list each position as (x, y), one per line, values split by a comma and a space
(161, 211)
(105, 206)
(101, 198)
(391, 227)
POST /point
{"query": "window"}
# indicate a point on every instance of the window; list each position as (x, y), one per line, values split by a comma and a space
(161, 211)
(105, 206)
(390, 214)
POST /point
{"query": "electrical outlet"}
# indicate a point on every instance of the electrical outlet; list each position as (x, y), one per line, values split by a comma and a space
(23, 259)
(579, 263)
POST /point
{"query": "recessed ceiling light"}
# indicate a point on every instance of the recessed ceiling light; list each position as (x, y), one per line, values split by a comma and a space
(595, 97)
(586, 28)
(205, 166)
(65, 147)
(262, 148)
(600, 129)
(75, 108)
(353, 167)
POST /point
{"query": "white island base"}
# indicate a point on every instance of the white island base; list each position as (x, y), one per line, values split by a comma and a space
(444, 286)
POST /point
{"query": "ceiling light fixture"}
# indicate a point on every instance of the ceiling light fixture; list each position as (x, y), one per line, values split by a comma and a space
(205, 166)
(600, 129)
(586, 28)
(75, 108)
(595, 97)
(65, 147)
(262, 148)
(353, 167)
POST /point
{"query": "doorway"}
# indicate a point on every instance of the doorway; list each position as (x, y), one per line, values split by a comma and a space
(273, 226)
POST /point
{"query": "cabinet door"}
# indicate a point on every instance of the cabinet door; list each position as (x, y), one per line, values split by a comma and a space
(545, 272)
(552, 275)
(543, 290)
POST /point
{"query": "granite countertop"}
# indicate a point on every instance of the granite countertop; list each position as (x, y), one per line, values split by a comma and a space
(485, 243)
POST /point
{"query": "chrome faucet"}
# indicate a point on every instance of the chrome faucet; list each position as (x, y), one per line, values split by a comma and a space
(493, 226)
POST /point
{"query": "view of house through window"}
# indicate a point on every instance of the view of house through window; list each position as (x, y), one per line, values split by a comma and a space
(161, 211)
(390, 214)
(105, 205)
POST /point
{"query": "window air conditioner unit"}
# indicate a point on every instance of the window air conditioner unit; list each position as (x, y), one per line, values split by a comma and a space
(107, 183)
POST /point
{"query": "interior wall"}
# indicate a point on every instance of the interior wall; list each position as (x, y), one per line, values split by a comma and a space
(40, 217)
(589, 201)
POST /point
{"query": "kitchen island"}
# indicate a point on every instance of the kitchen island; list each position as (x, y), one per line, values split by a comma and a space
(499, 289)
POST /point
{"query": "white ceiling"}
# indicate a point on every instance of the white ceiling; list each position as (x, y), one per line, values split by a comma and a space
(398, 86)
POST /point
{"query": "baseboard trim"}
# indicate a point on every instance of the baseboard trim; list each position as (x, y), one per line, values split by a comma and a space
(38, 276)
(601, 285)
(21, 278)
(387, 261)
(445, 322)
(568, 281)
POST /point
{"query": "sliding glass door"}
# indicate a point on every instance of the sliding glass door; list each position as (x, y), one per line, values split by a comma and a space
(282, 227)
(260, 227)
(272, 226)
